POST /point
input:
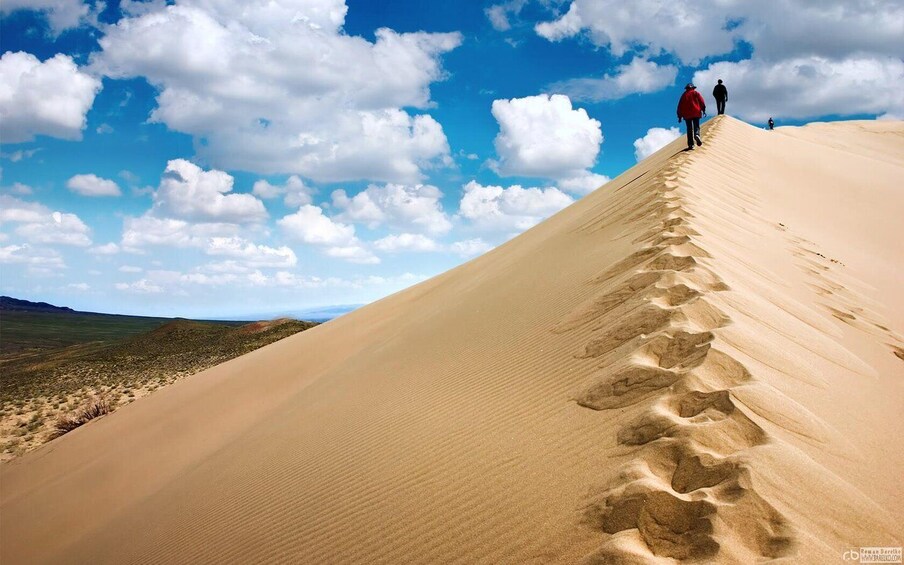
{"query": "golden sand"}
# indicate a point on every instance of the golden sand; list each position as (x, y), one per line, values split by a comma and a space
(701, 360)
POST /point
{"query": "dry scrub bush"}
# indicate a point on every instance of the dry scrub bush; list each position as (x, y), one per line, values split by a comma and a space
(94, 408)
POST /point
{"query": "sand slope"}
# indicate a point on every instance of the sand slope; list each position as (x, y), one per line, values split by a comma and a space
(697, 361)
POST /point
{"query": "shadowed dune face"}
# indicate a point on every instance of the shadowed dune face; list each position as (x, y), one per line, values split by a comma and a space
(694, 362)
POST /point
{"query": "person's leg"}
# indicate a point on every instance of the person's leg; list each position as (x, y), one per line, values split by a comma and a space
(697, 131)
(720, 106)
(690, 132)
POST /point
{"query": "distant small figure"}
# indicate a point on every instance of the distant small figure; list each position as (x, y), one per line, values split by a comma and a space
(771, 124)
(720, 93)
(691, 107)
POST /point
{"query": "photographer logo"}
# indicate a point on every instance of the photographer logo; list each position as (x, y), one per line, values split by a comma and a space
(873, 555)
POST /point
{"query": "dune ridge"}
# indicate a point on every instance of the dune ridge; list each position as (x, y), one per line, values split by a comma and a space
(690, 491)
(689, 482)
(690, 364)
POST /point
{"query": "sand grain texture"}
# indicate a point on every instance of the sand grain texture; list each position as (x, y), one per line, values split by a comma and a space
(695, 362)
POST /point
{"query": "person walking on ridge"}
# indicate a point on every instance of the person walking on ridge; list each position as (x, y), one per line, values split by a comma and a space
(691, 107)
(771, 124)
(720, 93)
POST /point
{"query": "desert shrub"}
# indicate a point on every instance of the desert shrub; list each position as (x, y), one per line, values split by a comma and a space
(96, 407)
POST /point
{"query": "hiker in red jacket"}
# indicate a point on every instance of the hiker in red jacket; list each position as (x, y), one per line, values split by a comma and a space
(691, 107)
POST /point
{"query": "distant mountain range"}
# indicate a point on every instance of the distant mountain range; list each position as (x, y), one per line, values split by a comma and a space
(11, 304)
(318, 314)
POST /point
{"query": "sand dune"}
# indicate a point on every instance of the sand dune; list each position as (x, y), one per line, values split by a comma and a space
(700, 361)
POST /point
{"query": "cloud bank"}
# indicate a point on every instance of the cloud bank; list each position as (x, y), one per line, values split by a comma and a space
(229, 75)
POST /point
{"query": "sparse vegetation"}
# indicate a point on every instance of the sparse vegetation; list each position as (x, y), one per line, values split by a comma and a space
(48, 390)
(95, 408)
(25, 332)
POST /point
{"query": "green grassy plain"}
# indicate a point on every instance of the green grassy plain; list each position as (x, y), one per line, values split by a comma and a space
(23, 331)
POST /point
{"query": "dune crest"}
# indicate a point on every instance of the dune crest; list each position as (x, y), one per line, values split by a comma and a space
(701, 361)
(690, 482)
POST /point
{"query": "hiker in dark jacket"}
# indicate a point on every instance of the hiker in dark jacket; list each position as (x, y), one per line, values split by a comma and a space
(720, 93)
(691, 107)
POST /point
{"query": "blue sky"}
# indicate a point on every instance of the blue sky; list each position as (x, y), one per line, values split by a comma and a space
(219, 158)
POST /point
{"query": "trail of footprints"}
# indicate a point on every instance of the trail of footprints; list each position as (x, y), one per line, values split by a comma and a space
(839, 299)
(689, 483)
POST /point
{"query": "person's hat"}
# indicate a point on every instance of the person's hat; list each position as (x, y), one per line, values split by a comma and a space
(720, 81)
(689, 86)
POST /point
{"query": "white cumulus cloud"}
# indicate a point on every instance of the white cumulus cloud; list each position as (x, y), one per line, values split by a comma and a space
(354, 253)
(544, 136)
(406, 242)
(43, 98)
(654, 140)
(149, 230)
(583, 183)
(188, 192)
(406, 207)
(19, 211)
(494, 208)
(295, 190)
(310, 225)
(780, 29)
(691, 31)
(498, 14)
(775, 28)
(25, 254)
(251, 254)
(638, 77)
(808, 58)
(61, 14)
(93, 185)
(64, 229)
(277, 87)
(806, 87)
(197, 208)
(105, 249)
(39, 224)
